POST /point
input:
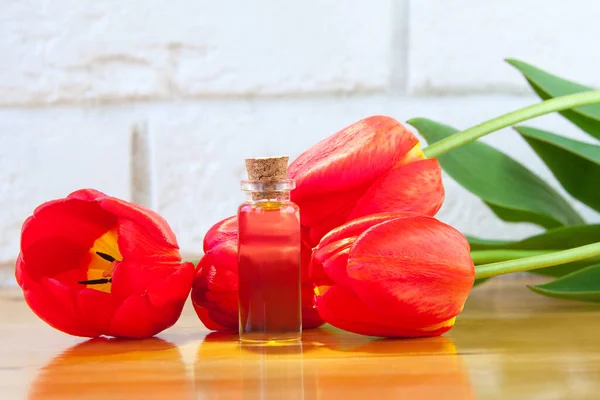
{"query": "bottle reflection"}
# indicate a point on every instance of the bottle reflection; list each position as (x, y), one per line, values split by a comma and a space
(228, 368)
(119, 369)
(274, 372)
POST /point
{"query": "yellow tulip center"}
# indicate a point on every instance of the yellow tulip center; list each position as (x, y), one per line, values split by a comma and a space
(104, 257)
(320, 290)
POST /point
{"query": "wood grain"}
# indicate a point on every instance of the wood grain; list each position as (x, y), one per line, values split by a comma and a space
(508, 343)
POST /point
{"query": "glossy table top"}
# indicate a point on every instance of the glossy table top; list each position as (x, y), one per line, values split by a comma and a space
(508, 343)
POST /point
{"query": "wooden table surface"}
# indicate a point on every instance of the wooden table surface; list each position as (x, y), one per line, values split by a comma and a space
(508, 343)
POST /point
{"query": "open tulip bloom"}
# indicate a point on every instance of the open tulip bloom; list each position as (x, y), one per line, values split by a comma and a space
(93, 265)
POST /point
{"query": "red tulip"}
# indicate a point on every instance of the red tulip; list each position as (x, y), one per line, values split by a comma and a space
(393, 275)
(374, 165)
(214, 293)
(93, 265)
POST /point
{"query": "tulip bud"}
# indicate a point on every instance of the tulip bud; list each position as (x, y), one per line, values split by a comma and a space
(215, 289)
(393, 275)
(374, 165)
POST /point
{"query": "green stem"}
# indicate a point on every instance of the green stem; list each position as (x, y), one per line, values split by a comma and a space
(537, 262)
(492, 256)
(503, 121)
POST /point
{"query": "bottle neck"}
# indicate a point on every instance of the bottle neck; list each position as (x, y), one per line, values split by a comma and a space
(268, 191)
(268, 197)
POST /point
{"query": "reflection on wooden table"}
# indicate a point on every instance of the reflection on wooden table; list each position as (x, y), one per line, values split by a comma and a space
(330, 364)
(508, 343)
(145, 369)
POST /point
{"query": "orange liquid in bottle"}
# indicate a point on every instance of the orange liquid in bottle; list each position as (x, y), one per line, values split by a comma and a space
(269, 272)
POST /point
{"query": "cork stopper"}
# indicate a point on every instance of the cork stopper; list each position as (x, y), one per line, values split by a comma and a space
(267, 170)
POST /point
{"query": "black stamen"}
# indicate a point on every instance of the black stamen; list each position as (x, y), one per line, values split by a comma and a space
(96, 281)
(107, 257)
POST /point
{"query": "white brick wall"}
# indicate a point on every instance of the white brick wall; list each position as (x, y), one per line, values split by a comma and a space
(458, 46)
(72, 51)
(215, 82)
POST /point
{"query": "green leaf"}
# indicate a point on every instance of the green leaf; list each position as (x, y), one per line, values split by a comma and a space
(548, 86)
(554, 240)
(194, 261)
(583, 285)
(480, 281)
(575, 164)
(513, 192)
(483, 244)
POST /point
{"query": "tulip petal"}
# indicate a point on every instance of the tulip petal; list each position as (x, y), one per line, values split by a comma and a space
(60, 233)
(317, 232)
(96, 308)
(135, 277)
(215, 291)
(78, 220)
(57, 302)
(226, 254)
(200, 287)
(342, 309)
(310, 315)
(147, 222)
(164, 317)
(174, 288)
(416, 267)
(411, 188)
(88, 195)
(340, 240)
(220, 280)
(351, 157)
(336, 266)
(332, 260)
(323, 253)
(357, 226)
(132, 319)
(227, 301)
(215, 285)
(213, 279)
(318, 277)
(204, 316)
(135, 243)
(55, 258)
(330, 209)
(305, 259)
(19, 271)
(222, 232)
(228, 320)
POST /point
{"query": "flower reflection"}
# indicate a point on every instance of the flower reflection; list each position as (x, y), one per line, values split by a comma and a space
(104, 368)
(331, 364)
(427, 368)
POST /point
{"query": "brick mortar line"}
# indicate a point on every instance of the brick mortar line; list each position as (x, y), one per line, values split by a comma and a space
(141, 164)
(129, 100)
(399, 47)
(515, 90)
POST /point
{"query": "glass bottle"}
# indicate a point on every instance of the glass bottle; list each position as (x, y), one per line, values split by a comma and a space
(269, 255)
